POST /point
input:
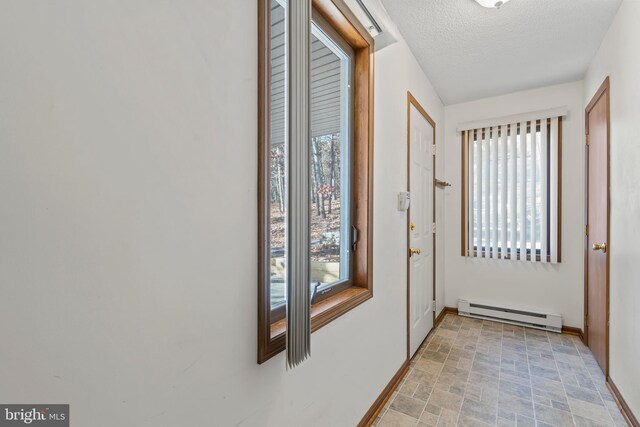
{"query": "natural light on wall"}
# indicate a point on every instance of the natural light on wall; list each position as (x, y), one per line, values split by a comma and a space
(493, 4)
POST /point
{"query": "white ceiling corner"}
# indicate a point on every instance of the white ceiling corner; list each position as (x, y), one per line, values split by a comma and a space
(470, 52)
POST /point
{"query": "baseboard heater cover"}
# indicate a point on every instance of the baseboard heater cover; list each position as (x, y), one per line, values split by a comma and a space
(544, 321)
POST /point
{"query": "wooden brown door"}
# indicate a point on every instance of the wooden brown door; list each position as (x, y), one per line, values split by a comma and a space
(597, 250)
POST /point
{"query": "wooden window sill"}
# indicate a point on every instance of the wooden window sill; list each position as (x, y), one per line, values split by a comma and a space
(328, 310)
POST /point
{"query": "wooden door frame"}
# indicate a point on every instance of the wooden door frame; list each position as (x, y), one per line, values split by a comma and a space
(602, 91)
(411, 100)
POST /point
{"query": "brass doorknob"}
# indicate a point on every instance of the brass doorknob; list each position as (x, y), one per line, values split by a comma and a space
(600, 247)
(414, 251)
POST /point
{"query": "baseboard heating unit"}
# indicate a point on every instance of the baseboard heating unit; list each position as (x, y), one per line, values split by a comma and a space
(545, 321)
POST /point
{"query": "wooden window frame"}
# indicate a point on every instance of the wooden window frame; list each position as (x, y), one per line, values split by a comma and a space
(271, 336)
(464, 225)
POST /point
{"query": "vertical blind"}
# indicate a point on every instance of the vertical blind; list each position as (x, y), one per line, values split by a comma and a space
(298, 337)
(511, 176)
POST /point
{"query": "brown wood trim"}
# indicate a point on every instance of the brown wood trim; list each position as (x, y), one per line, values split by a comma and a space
(443, 313)
(331, 308)
(604, 87)
(340, 17)
(464, 234)
(386, 394)
(439, 318)
(571, 330)
(559, 232)
(603, 90)
(628, 415)
(585, 262)
(266, 346)
(451, 310)
(338, 14)
(412, 101)
(408, 228)
(363, 167)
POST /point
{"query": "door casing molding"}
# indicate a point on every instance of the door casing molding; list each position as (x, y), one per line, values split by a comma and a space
(412, 101)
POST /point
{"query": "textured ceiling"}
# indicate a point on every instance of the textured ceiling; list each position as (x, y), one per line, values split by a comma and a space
(470, 52)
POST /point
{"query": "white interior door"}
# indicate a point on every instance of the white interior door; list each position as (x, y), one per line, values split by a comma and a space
(420, 232)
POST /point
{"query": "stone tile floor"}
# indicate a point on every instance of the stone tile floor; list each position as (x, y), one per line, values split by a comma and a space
(474, 372)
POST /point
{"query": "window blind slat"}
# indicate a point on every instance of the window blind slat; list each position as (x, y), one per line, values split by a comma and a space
(503, 191)
(470, 202)
(487, 192)
(532, 191)
(544, 144)
(479, 196)
(494, 192)
(522, 197)
(513, 190)
(553, 189)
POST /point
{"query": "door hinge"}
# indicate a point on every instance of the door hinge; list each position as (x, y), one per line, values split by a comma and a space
(586, 139)
(433, 305)
(586, 230)
(433, 149)
(433, 228)
(586, 321)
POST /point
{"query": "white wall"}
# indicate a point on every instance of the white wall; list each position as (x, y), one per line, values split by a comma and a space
(545, 287)
(618, 58)
(128, 222)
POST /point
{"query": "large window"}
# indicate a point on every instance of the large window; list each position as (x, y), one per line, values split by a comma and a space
(511, 176)
(339, 171)
(331, 116)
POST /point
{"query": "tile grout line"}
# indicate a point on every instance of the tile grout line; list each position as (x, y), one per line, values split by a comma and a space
(464, 394)
(475, 351)
(603, 401)
(435, 332)
(439, 373)
(396, 391)
(533, 402)
(594, 384)
(553, 353)
(499, 374)
(422, 350)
